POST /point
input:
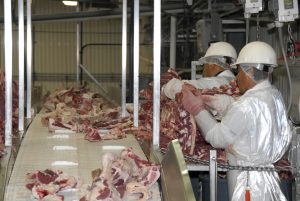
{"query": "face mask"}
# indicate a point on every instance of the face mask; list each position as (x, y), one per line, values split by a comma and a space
(254, 71)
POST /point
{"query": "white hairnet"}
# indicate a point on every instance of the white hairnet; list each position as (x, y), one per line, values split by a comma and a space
(221, 61)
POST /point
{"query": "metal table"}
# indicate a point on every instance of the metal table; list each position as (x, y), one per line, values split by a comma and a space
(68, 152)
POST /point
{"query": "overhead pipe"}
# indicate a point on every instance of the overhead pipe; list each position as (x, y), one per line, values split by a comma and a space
(21, 64)
(115, 13)
(29, 60)
(8, 71)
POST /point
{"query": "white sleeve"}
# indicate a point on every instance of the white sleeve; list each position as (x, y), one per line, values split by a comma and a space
(222, 134)
(207, 82)
(173, 87)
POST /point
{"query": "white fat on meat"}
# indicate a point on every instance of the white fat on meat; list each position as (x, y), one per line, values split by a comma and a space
(53, 198)
(42, 190)
(136, 191)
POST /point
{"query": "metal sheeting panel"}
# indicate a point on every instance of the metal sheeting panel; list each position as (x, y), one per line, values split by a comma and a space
(106, 59)
(55, 48)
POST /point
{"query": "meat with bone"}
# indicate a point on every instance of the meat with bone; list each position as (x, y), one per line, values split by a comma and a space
(2, 111)
(123, 177)
(73, 106)
(148, 92)
(45, 185)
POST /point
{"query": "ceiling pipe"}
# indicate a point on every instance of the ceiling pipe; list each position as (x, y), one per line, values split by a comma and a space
(115, 13)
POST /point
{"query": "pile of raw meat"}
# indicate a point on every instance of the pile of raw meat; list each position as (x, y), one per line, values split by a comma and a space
(75, 109)
(124, 176)
(2, 111)
(45, 185)
(175, 123)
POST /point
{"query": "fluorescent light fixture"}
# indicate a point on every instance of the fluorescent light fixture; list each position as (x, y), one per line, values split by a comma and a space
(70, 3)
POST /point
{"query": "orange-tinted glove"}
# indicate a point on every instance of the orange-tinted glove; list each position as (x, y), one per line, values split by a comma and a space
(193, 104)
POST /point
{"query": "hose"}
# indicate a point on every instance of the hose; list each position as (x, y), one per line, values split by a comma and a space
(247, 29)
(287, 69)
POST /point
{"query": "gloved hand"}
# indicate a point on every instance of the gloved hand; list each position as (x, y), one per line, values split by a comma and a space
(193, 104)
(173, 87)
(218, 103)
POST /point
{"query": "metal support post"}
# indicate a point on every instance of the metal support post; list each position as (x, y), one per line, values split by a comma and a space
(156, 71)
(78, 48)
(21, 65)
(8, 72)
(173, 42)
(130, 55)
(136, 53)
(29, 60)
(124, 56)
(213, 174)
(193, 69)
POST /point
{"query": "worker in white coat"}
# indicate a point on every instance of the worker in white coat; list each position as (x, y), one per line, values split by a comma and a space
(254, 130)
(217, 60)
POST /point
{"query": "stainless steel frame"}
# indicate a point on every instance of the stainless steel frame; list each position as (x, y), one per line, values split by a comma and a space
(78, 47)
(175, 181)
(21, 65)
(213, 174)
(193, 69)
(124, 56)
(173, 35)
(136, 65)
(29, 60)
(8, 71)
(156, 71)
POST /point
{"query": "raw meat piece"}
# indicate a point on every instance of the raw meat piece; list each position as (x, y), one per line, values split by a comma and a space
(45, 185)
(123, 177)
(137, 191)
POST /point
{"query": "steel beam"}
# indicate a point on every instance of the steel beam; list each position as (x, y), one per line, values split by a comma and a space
(8, 71)
(173, 42)
(213, 174)
(124, 57)
(21, 64)
(136, 63)
(29, 60)
(156, 71)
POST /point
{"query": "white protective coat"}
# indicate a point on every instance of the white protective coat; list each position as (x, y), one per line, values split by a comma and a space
(174, 86)
(255, 132)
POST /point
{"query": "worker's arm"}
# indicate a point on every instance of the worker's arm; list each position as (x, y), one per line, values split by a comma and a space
(174, 86)
(219, 135)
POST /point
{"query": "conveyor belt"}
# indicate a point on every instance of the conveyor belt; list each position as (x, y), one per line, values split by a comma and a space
(41, 150)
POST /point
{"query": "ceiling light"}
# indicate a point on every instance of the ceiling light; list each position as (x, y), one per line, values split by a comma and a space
(70, 3)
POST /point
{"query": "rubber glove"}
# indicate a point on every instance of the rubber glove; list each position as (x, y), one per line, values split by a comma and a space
(218, 103)
(173, 87)
(193, 104)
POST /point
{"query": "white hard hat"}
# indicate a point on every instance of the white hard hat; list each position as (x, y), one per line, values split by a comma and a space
(222, 49)
(257, 53)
